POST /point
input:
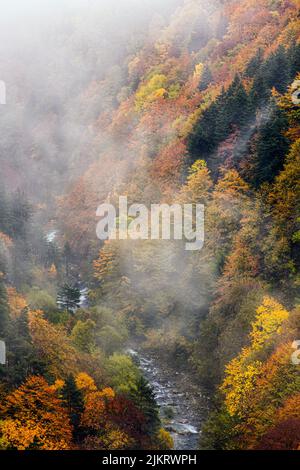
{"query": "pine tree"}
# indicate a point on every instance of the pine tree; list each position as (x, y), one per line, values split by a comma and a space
(73, 402)
(4, 211)
(276, 70)
(293, 55)
(271, 147)
(237, 102)
(21, 211)
(254, 64)
(4, 310)
(68, 298)
(206, 78)
(144, 399)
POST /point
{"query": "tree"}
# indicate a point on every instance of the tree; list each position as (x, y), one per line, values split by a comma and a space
(294, 58)
(22, 356)
(68, 298)
(33, 418)
(53, 346)
(123, 373)
(83, 335)
(284, 436)
(96, 405)
(153, 89)
(270, 148)
(144, 399)
(73, 401)
(165, 440)
(110, 340)
(21, 212)
(85, 383)
(198, 186)
(278, 61)
(254, 64)
(269, 318)
(4, 309)
(206, 78)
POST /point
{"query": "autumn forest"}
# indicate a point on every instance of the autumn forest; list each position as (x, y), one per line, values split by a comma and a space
(125, 344)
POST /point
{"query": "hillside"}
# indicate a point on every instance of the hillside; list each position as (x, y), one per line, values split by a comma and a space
(195, 105)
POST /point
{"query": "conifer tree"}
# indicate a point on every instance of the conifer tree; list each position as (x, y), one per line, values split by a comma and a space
(206, 78)
(73, 402)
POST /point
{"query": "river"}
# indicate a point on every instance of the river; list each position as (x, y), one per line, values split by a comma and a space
(182, 406)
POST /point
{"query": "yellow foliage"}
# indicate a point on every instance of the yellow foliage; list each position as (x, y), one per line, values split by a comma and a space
(198, 184)
(58, 385)
(53, 345)
(198, 70)
(165, 440)
(243, 371)
(269, 318)
(85, 383)
(108, 393)
(240, 380)
(116, 439)
(154, 89)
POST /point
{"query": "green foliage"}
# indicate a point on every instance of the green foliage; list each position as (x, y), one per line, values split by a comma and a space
(232, 108)
(153, 89)
(68, 298)
(124, 375)
(73, 401)
(218, 431)
(144, 399)
(206, 78)
(110, 339)
(41, 300)
(83, 335)
(4, 310)
(270, 148)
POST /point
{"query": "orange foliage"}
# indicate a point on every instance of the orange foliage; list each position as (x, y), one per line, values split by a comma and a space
(34, 418)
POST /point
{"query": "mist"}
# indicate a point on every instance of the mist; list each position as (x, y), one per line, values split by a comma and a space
(51, 52)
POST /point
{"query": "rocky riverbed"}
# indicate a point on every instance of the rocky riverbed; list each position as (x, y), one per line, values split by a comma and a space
(182, 405)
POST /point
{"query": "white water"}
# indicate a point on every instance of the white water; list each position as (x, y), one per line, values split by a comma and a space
(51, 236)
(185, 423)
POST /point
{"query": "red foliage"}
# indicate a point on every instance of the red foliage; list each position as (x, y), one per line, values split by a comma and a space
(127, 417)
(284, 436)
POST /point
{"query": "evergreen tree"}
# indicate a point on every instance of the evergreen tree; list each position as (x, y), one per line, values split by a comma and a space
(232, 108)
(237, 103)
(293, 56)
(276, 70)
(254, 64)
(271, 147)
(4, 211)
(22, 357)
(68, 298)
(144, 399)
(206, 78)
(73, 401)
(4, 310)
(21, 211)
(67, 255)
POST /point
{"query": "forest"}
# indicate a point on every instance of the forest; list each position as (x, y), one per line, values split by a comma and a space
(164, 102)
